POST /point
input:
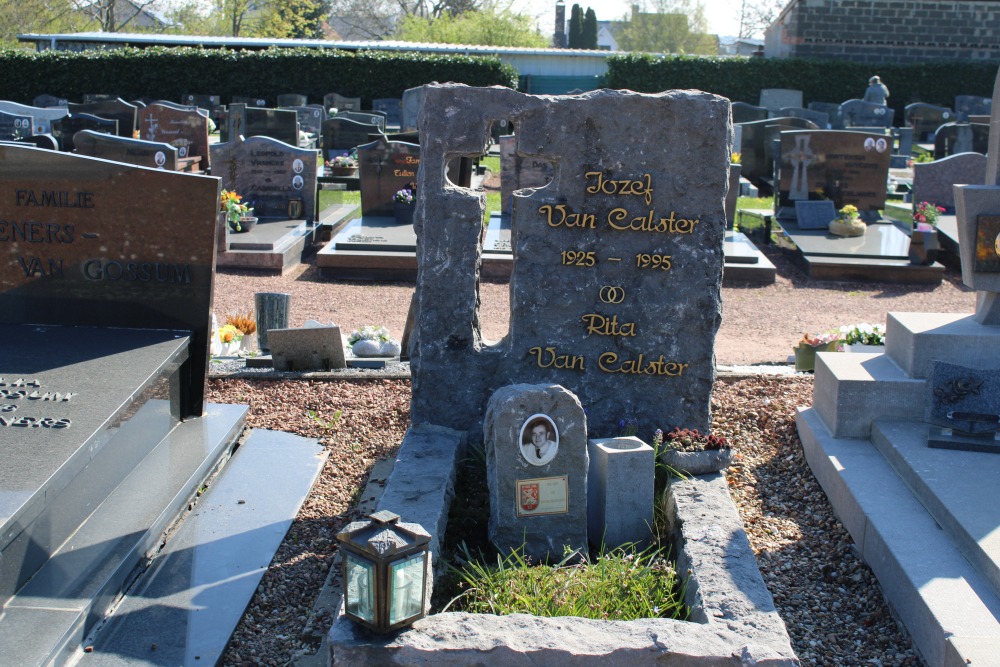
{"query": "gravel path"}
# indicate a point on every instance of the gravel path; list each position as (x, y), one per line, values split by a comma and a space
(827, 596)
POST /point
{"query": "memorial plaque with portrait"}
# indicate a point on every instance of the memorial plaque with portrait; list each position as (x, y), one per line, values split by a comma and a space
(988, 244)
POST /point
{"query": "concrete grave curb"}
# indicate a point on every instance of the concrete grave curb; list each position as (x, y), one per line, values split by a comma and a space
(734, 619)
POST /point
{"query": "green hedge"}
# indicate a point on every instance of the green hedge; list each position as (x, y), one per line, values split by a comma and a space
(169, 73)
(741, 79)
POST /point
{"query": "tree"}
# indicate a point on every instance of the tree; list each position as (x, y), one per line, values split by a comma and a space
(757, 15)
(489, 26)
(294, 19)
(37, 16)
(377, 19)
(588, 40)
(666, 26)
(114, 15)
(575, 31)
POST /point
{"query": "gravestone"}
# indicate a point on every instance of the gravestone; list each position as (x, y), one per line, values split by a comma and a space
(536, 469)
(375, 119)
(821, 118)
(209, 102)
(93, 98)
(258, 102)
(858, 113)
(925, 119)
(280, 124)
(341, 135)
(289, 100)
(153, 154)
(317, 348)
(748, 113)
(774, 99)
(84, 250)
(15, 126)
(385, 167)
(117, 109)
(814, 214)
(392, 107)
(186, 130)
(46, 101)
(64, 129)
(935, 181)
(757, 162)
(310, 119)
(953, 138)
(341, 103)
(274, 177)
(616, 226)
(842, 166)
(42, 117)
(972, 105)
(413, 100)
(46, 141)
(832, 111)
(517, 172)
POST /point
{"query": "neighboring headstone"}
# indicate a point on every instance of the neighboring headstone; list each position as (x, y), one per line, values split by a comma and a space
(341, 103)
(858, 113)
(202, 101)
(757, 150)
(289, 100)
(925, 119)
(517, 172)
(954, 138)
(392, 107)
(935, 181)
(307, 349)
(47, 101)
(46, 141)
(186, 130)
(774, 99)
(42, 117)
(280, 124)
(620, 492)
(258, 102)
(310, 119)
(117, 109)
(832, 111)
(385, 167)
(814, 214)
(821, 118)
(109, 245)
(153, 154)
(536, 470)
(375, 119)
(94, 98)
(15, 126)
(838, 165)
(413, 100)
(275, 177)
(748, 113)
(972, 105)
(272, 310)
(64, 129)
(342, 135)
(617, 226)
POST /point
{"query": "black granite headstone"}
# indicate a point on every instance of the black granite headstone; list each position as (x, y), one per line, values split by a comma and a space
(953, 138)
(42, 117)
(757, 164)
(280, 124)
(925, 119)
(202, 101)
(366, 118)
(272, 176)
(153, 154)
(14, 126)
(259, 102)
(341, 103)
(385, 168)
(341, 135)
(289, 100)
(392, 107)
(972, 105)
(747, 113)
(832, 111)
(46, 101)
(65, 128)
(310, 118)
(90, 242)
(126, 114)
(858, 113)
(821, 118)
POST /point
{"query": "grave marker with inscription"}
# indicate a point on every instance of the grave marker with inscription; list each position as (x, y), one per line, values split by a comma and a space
(116, 109)
(341, 135)
(385, 167)
(42, 117)
(186, 130)
(272, 175)
(154, 154)
(615, 289)
(15, 126)
(64, 129)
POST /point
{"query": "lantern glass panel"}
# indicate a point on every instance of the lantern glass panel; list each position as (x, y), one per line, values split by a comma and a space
(360, 577)
(406, 597)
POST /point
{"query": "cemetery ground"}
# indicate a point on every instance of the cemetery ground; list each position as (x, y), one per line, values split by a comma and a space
(827, 596)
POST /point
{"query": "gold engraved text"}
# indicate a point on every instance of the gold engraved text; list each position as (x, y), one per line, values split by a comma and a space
(649, 223)
(641, 187)
(609, 362)
(549, 358)
(607, 326)
(559, 216)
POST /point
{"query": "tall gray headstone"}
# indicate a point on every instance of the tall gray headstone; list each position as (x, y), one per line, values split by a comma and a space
(536, 468)
(935, 181)
(615, 288)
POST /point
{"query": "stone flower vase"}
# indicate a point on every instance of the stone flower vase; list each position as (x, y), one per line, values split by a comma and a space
(403, 212)
(805, 355)
(924, 247)
(342, 171)
(246, 224)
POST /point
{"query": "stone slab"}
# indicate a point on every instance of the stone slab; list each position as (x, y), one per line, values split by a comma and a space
(916, 340)
(199, 586)
(867, 270)
(932, 588)
(308, 349)
(881, 241)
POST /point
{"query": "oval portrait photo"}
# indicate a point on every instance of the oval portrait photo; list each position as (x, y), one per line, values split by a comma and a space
(539, 439)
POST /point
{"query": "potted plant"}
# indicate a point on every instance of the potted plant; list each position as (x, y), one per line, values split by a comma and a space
(344, 164)
(863, 337)
(239, 215)
(848, 222)
(403, 203)
(691, 452)
(227, 340)
(924, 243)
(805, 351)
(373, 341)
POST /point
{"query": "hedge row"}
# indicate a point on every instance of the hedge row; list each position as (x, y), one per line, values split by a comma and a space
(169, 73)
(741, 79)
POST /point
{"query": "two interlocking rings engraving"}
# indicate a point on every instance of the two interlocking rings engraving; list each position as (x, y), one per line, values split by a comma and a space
(611, 294)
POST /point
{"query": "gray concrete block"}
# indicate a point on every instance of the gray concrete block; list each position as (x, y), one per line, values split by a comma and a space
(916, 340)
(307, 349)
(852, 390)
(620, 491)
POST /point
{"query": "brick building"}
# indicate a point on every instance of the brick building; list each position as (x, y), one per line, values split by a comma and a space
(879, 31)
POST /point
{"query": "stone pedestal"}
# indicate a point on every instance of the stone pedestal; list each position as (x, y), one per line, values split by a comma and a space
(620, 491)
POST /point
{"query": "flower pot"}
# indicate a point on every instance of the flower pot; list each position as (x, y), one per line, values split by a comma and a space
(403, 213)
(840, 228)
(246, 224)
(805, 355)
(861, 347)
(342, 171)
(924, 247)
(697, 463)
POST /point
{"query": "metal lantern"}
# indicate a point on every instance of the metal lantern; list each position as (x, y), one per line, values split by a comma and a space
(386, 565)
